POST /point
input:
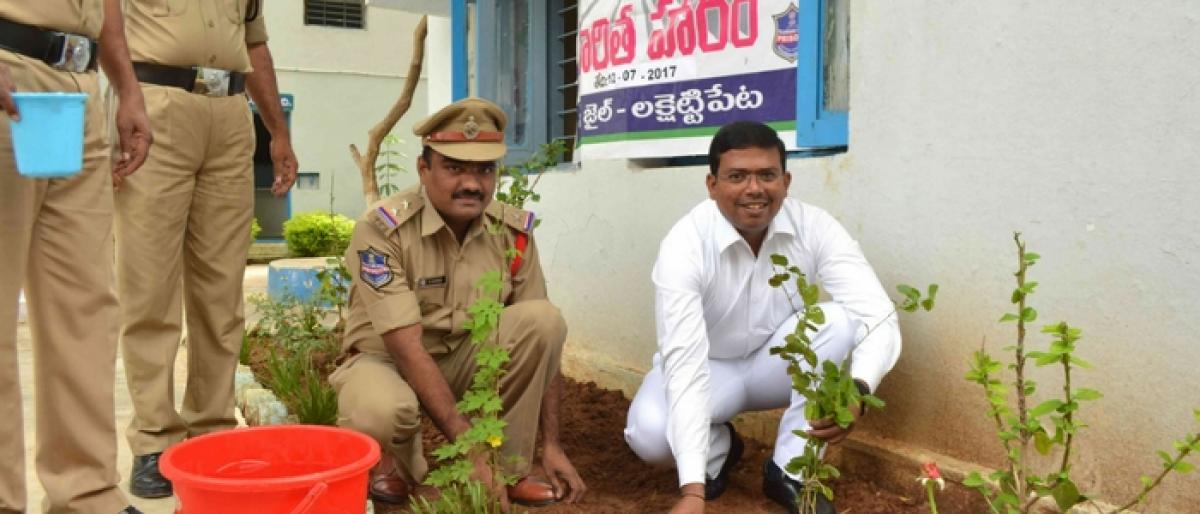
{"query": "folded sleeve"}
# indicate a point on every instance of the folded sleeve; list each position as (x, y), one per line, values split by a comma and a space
(256, 26)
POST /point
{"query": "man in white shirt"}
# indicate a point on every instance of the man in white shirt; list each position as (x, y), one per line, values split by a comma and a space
(717, 318)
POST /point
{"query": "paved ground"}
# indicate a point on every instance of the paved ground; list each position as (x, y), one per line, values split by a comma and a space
(256, 282)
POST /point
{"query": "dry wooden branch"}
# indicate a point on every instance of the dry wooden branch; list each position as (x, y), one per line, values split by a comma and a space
(366, 164)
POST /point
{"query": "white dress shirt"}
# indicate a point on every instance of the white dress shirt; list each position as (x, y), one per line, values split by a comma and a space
(713, 301)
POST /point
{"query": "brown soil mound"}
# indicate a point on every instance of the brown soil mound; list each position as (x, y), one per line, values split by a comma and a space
(618, 482)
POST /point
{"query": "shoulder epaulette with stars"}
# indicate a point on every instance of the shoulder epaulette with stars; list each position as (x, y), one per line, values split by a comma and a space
(393, 211)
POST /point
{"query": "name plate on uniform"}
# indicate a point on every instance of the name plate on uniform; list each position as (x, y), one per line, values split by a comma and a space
(428, 282)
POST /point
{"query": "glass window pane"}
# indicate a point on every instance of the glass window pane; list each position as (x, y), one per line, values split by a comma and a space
(512, 94)
(837, 55)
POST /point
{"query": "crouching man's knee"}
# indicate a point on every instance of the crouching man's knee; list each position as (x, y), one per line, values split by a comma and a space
(387, 424)
(535, 327)
(645, 433)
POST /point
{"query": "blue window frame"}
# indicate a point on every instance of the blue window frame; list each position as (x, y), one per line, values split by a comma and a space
(822, 74)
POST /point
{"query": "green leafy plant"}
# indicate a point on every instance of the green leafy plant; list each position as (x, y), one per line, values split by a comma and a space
(1052, 425)
(829, 389)
(481, 403)
(470, 498)
(315, 401)
(387, 171)
(334, 292)
(255, 229)
(295, 344)
(316, 234)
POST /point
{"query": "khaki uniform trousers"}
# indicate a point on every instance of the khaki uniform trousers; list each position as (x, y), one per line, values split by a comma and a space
(184, 219)
(56, 240)
(374, 399)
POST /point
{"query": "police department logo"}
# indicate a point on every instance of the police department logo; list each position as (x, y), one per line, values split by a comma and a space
(374, 269)
(471, 128)
(786, 42)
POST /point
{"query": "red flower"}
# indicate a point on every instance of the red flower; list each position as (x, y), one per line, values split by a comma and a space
(931, 473)
(931, 470)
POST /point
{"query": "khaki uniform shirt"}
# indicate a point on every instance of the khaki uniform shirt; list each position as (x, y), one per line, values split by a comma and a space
(186, 33)
(407, 267)
(83, 17)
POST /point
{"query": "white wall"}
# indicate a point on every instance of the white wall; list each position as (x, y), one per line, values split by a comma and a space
(1074, 122)
(344, 80)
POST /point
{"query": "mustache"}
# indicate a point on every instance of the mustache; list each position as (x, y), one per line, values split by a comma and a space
(466, 193)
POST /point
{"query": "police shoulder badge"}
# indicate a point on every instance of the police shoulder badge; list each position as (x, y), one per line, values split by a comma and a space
(374, 269)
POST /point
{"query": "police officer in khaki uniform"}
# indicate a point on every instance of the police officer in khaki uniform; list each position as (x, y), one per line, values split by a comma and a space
(414, 259)
(185, 220)
(55, 237)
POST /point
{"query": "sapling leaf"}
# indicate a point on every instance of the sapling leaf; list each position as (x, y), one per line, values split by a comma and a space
(1080, 362)
(909, 291)
(1184, 466)
(1028, 314)
(1166, 457)
(1085, 394)
(1042, 442)
(1009, 317)
(1066, 495)
(810, 294)
(1046, 407)
(1031, 257)
(844, 417)
(816, 315)
(973, 480)
(779, 260)
(873, 401)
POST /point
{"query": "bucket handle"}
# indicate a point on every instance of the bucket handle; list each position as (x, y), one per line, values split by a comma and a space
(309, 500)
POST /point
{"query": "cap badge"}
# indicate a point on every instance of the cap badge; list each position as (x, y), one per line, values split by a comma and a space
(470, 128)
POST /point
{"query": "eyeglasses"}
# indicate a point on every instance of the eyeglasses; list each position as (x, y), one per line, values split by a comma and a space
(764, 177)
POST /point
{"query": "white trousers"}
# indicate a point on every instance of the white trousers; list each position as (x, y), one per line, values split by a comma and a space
(758, 382)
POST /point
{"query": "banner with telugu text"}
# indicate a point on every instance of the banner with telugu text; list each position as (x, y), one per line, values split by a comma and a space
(657, 78)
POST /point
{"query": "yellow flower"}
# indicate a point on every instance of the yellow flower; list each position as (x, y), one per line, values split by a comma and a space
(494, 441)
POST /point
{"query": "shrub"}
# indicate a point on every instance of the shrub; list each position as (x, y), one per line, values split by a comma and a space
(315, 234)
(255, 230)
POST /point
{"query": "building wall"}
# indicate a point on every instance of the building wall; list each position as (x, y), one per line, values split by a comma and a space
(1073, 122)
(344, 82)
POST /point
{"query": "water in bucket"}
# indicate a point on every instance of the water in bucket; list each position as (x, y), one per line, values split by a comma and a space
(48, 141)
(283, 469)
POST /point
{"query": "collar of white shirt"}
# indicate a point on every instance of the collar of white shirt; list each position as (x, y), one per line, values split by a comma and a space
(725, 235)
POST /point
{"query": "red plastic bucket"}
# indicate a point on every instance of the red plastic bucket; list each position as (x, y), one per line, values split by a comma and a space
(285, 469)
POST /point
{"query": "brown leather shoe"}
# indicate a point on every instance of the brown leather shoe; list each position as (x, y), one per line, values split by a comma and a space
(531, 491)
(388, 486)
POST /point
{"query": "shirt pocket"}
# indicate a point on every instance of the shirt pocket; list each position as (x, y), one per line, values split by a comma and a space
(168, 7)
(431, 299)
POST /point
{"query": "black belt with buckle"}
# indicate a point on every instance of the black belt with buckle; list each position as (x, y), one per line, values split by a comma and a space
(60, 50)
(193, 80)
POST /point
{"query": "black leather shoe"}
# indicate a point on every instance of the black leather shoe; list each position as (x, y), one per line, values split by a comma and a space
(714, 487)
(145, 481)
(130, 510)
(784, 490)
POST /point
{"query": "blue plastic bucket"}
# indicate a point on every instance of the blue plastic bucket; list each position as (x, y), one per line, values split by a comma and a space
(48, 141)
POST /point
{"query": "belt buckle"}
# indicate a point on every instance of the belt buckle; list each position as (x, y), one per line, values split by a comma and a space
(74, 55)
(212, 82)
